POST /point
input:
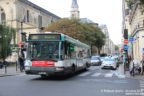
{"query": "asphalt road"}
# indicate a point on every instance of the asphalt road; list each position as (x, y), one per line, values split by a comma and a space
(94, 82)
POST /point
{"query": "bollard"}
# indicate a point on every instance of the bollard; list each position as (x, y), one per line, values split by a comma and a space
(16, 66)
(5, 69)
(133, 69)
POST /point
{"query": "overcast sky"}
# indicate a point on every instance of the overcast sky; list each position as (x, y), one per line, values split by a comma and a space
(107, 12)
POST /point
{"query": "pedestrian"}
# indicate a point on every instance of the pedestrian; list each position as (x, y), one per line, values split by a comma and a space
(21, 63)
(1, 65)
(142, 63)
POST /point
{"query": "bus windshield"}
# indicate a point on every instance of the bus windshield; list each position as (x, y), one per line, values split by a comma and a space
(43, 51)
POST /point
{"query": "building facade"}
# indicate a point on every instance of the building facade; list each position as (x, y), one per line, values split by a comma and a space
(109, 47)
(136, 22)
(25, 17)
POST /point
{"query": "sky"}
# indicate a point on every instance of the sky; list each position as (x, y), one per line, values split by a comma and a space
(107, 12)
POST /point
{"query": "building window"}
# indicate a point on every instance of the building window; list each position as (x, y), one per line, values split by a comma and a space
(40, 21)
(73, 15)
(27, 15)
(3, 18)
(52, 20)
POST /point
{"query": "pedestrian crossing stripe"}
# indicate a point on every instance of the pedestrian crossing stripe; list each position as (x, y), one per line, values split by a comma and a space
(108, 75)
(96, 74)
(85, 74)
(121, 76)
(142, 86)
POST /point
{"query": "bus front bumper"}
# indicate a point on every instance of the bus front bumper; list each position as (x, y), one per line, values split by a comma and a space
(33, 70)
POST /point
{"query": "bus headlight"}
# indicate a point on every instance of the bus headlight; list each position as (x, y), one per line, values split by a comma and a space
(28, 63)
(27, 68)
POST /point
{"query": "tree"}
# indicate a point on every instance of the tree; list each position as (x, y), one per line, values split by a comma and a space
(116, 48)
(142, 1)
(6, 35)
(100, 41)
(130, 3)
(84, 32)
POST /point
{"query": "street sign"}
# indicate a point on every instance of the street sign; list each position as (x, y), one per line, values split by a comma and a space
(126, 47)
(126, 41)
(131, 39)
(143, 50)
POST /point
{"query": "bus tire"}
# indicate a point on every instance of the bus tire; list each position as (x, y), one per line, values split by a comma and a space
(86, 67)
(43, 76)
(73, 69)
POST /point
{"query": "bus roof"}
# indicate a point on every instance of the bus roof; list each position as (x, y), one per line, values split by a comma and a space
(63, 38)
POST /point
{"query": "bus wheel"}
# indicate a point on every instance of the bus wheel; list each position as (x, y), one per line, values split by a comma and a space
(43, 76)
(86, 67)
(73, 70)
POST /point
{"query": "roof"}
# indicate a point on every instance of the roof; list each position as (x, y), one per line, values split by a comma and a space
(74, 3)
(103, 26)
(86, 20)
(39, 8)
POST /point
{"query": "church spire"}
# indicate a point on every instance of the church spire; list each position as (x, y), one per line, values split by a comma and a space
(74, 4)
(74, 9)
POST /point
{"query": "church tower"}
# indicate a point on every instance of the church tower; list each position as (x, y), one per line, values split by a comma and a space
(75, 9)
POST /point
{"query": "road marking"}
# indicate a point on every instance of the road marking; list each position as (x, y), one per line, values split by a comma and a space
(96, 74)
(108, 75)
(85, 74)
(121, 76)
(141, 86)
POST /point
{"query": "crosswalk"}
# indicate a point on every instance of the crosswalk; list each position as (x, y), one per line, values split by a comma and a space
(94, 74)
(98, 74)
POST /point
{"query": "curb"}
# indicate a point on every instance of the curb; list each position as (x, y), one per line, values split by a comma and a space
(8, 75)
(5, 75)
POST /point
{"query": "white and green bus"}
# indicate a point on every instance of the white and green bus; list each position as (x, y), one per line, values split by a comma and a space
(55, 53)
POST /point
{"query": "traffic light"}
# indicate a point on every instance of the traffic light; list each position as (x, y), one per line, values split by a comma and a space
(125, 33)
(24, 37)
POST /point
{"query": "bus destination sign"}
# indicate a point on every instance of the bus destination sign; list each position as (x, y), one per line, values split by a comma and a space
(45, 37)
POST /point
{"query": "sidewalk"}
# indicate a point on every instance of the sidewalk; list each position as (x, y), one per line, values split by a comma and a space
(136, 76)
(120, 71)
(11, 71)
(122, 74)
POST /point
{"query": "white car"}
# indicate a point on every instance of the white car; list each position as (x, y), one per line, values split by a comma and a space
(109, 63)
(95, 60)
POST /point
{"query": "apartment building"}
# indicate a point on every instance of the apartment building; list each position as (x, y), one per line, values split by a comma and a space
(25, 16)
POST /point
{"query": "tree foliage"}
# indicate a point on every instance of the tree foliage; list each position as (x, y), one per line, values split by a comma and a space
(116, 48)
(6, 35)
(130, 3)
(142, 1)
(84, 32)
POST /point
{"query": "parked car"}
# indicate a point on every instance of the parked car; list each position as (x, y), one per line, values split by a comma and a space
(95, 60)
(109, 63)
(102, 58)
(116, 60)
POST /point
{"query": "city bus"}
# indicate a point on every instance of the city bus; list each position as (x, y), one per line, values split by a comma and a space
(55, 53)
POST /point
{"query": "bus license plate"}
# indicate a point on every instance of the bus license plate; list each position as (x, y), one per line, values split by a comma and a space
(42, 73)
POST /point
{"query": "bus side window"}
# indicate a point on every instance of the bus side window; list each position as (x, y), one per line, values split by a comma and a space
(62, 51)
(66, 45)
